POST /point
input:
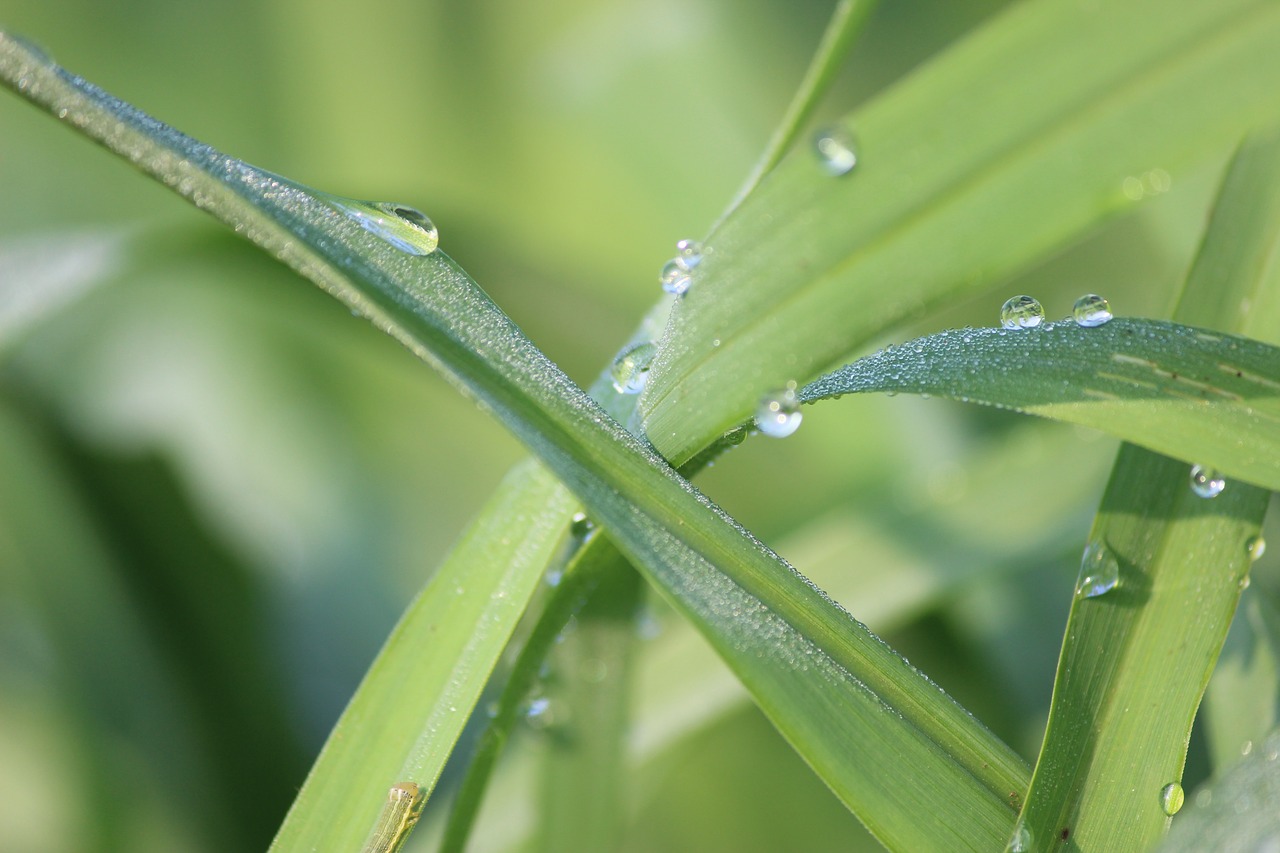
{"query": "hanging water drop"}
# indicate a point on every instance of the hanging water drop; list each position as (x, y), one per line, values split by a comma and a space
(630, 368)
(404, 227)
(1206, 482)
(1091, 310)
(1171, 798)
(1020, 841)
(688, 253)
(835, 149)
(778, 414)
(675, 277)
(1099, 571)
(1021, 312)
(1256, 547)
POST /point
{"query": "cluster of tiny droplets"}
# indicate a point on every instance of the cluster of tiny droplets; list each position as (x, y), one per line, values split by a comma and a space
(677, 273)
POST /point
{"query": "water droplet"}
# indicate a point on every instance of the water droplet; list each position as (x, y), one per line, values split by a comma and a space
(1206, 482)
(537, 713)
(630, 368)
(1256, 547)
(688, 253)
(580, 525)
(1099, 571)
(407, 229)
(835, 149)
(778, 414)
(1091, 310)
(1246, 747)
(1171, 798)
(1021, 312)
(675, 277)
(1020, 842)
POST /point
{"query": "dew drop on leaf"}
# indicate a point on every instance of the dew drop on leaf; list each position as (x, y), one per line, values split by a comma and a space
(1206, 482)
(1256, 546)
(1171, 798)
(630, 368)
(778, 414)
(688, 253)
(1020, 841)
(1021, 312)
(1099, 571)
(404, 227)
(1091, 310)
(675, 277)
(835, 149)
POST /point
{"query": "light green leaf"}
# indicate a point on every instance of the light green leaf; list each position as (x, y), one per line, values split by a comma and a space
(1195, 394)
(1006, 148)
(923, 772)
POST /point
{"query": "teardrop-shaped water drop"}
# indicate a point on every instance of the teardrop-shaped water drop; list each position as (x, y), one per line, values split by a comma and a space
(1172, 798)
(688, 253)
(1091, 310)
(1020, 841)
(835, 148)
(778, 414)
(1256, 546)
(675, 277)
(630, 368)
(1021, 312)
(1206, 482)
(406, 228)
(1099, 571)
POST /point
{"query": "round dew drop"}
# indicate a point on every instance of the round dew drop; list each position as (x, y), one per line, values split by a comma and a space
(1256, 547)
(1021, 312)
(1206, 482)
(1099, 571)
(630, 368)
(675, 277)
(835, 149)
(1171, 798)
(406, 228)
(1091, 310)
(778, 414)
(688, 254)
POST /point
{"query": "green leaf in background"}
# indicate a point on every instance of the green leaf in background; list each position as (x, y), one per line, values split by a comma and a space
(1011, 145)
(1192, 393)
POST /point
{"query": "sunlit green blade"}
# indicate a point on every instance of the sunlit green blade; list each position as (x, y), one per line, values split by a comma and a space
(1006, 148)
(1239, 813)
(1190, 393)
(1137, 657)
(915, 766)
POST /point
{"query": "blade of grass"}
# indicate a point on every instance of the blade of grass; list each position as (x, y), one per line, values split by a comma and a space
(967, 174)
(1136, 659)
(925, 772)
(1243, 699)
(1195, 394)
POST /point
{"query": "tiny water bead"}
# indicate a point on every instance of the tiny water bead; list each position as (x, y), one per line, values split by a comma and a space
(675, 277)
(404, 227)
(1021, 312)
(630, 369)
(1099, 571)
(1256, 546)
(1172, 798)
(1091, 310)
(835, 149)
(1206, 482)
(778, 414)
(688, 253)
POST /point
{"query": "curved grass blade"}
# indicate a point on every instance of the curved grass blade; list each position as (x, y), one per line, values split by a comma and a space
(1137, 657)
(967, 174)
(923, 773)
(1200, 395)
(1239, 813)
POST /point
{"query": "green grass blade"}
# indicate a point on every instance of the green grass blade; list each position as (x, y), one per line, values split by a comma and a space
(1199, 395)
(1238, 813)
(1136, 659)
(1006, 148)
(1242, 703)
(923, 772)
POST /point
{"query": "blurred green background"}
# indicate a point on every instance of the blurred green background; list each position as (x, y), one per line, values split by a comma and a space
(218, 489)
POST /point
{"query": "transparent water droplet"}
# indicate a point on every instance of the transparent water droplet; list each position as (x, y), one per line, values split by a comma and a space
(1171, 798)
(1091, 310)
(630, 368)
(778, 414)
(1020, 842)
(1256, 546)
(836, 150)
(675, 277)
(1246, 747)
(1021, 312)
(1206, 482)
(1099, 571)
(688, 253)
(406, 228)
(537, 713)
(580, 525)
